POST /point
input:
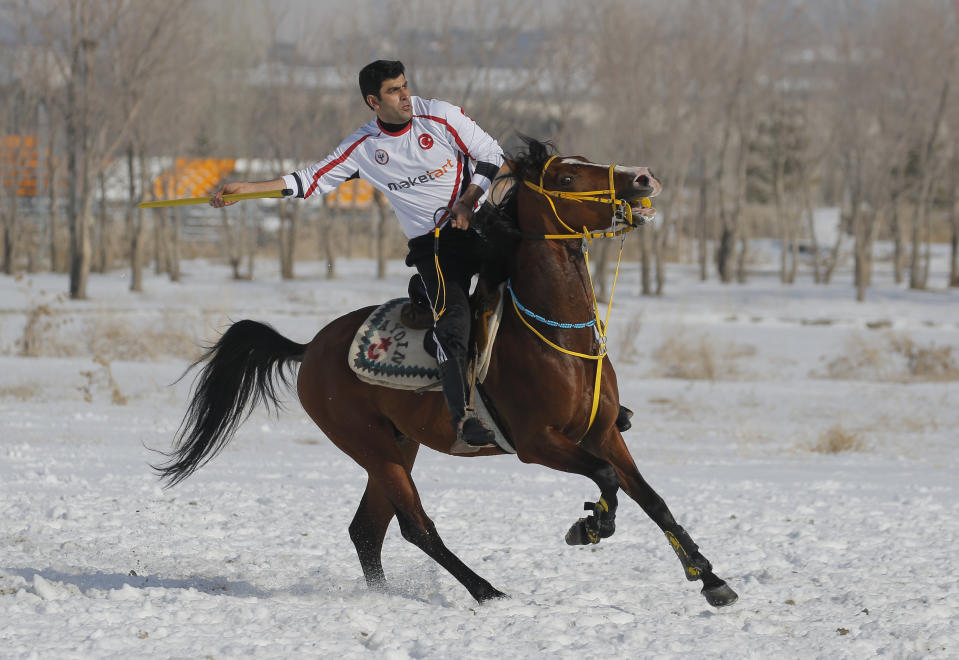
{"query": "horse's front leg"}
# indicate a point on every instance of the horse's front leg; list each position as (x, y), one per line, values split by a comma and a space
(554, 450)
(695, 565)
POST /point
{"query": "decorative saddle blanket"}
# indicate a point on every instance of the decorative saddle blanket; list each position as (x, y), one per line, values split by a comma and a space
(385, 352)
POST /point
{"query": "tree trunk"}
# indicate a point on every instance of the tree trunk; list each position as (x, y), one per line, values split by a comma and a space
(779, 194)
(9, 235)
(927, 252)
(101, 234)
(176, 221)
(326, 219)
(250, 239)
(659, 246)
(701, 228)
(160, 260)
(739, 201)
(915, 265)
(794, 266)
(80, 193)
(53, 171)
(898, 253)
(724, 254)
(833, 258)
(80, 248)
(644, 261)
(289, 213)
(139, 222)
(811, 221)
(954, 224)
(230, 242)
(918, 274)
(859, 251)
(35, 243)
(742, 258)
(286, 238)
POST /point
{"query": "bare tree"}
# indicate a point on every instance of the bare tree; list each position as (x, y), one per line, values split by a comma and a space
(953, 216)
(99, 49)
(20, 98)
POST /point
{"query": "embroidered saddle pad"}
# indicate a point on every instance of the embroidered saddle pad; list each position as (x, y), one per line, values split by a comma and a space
(385, 352)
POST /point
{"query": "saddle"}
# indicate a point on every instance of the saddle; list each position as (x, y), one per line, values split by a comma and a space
(395, 348)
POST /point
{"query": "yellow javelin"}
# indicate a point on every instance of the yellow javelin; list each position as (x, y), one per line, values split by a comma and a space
(286, 192)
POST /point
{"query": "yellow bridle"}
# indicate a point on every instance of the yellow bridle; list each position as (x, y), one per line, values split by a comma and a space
(620, 209)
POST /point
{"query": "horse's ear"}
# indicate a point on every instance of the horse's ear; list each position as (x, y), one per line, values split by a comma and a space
(538, 152)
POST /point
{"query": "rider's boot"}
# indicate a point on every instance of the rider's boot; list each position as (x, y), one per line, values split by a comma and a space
(468, 427)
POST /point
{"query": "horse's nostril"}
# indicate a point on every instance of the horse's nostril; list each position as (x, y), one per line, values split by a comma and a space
(643, 180)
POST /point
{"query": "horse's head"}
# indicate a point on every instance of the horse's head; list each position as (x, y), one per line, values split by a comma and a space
(570, 193)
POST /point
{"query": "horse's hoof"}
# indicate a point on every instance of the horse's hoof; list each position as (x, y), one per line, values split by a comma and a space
(581, 533)
(491, 594)
(720, 595)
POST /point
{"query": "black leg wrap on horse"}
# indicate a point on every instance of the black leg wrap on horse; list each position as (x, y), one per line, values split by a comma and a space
(694, 564)
(600, 525)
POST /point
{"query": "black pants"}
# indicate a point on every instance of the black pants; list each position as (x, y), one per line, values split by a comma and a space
(460, 256)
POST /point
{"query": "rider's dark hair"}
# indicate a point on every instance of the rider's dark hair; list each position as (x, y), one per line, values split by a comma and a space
(374, 73)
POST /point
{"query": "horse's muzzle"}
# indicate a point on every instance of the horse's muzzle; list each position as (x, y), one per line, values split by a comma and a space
(646, 183)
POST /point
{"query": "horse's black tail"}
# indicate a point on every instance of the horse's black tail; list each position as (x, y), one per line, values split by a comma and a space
(243, 368)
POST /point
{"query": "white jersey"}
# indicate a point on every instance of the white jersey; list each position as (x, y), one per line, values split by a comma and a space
(424, 167)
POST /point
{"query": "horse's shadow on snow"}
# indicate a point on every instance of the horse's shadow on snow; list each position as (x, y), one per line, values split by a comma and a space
(113, 581)
(415, 586)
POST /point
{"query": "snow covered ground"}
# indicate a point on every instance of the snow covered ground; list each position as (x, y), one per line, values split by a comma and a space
(737, 390)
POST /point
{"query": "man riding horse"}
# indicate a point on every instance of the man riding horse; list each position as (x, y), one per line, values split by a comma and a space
(435, 165)
(552, 381)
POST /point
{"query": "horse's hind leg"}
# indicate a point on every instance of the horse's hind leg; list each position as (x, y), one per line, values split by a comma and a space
(695, 565)
(372, 519)
(419, 530)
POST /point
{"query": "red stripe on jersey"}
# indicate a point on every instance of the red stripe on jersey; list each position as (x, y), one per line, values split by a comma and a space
(456, 136)
(456, 186)
(333, 163)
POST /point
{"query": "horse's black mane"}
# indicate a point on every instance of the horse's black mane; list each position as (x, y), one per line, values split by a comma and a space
(498, 222)
(528, 163)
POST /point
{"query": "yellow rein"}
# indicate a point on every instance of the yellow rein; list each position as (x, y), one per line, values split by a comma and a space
(598, 196)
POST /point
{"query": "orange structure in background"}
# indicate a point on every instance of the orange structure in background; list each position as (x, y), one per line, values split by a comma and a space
(353, 194)
(192, 177)
(19, 159)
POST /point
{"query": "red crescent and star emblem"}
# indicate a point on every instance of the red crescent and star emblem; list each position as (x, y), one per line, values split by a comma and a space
(381, 157)
(426, 141)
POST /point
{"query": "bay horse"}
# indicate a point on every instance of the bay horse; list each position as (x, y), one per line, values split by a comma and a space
(544, 396)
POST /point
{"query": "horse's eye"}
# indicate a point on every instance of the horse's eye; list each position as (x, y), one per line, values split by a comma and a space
(566, 180)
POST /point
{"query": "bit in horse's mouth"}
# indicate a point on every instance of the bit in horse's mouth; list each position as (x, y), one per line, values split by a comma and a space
(640, 209)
